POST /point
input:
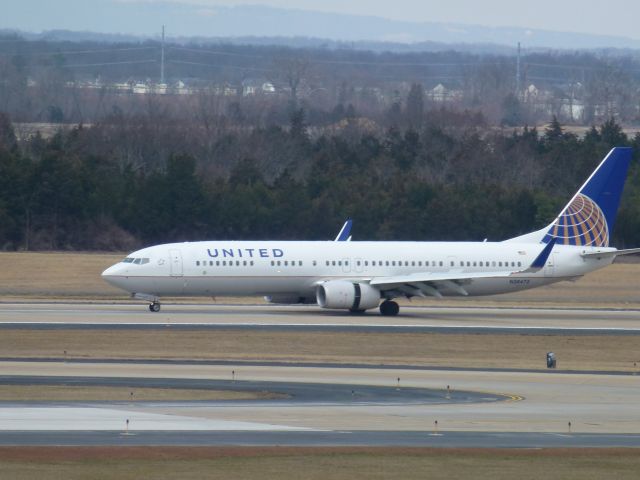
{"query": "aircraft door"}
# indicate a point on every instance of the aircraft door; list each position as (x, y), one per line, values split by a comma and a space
(176, 263)
(346, 267)
(549, 268)
(358, 265)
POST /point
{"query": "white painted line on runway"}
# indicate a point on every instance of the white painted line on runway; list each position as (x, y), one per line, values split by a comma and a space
(169, 324)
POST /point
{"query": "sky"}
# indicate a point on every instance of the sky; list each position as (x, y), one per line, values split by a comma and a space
(613, 17)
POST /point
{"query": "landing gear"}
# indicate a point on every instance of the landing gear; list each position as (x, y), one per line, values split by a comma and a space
(389, 308)
(154, 307)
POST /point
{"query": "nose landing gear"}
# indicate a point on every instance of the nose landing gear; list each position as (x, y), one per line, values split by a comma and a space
(154, 307)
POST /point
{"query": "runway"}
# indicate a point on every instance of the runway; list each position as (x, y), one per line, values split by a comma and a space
(311, 318)
(327, 404)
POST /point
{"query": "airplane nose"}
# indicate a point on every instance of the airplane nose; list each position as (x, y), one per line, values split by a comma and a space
(109, 272)
(113, 275)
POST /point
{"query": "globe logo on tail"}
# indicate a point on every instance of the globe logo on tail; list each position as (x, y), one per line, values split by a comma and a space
(582, 223)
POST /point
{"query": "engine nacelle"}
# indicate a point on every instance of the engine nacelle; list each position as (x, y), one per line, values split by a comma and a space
(341, 294)
(289, 299)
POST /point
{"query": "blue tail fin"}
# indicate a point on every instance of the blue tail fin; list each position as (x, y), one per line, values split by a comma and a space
(589, 217)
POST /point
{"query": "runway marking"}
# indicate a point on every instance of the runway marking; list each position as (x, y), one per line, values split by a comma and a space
(343, 326)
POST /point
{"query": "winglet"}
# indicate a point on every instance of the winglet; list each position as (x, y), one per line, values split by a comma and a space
(541, 259)
(345, 232)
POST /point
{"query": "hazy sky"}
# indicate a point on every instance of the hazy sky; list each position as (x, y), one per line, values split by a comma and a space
(611, 17)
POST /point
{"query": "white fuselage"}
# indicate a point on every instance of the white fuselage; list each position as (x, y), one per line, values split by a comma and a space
(295, 268)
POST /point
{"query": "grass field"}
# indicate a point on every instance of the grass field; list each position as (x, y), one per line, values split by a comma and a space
(106, 463)
(66, 393)
(76, 276)
(580, 352)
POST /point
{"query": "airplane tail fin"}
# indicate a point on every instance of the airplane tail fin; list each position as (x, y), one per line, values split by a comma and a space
(589, 218)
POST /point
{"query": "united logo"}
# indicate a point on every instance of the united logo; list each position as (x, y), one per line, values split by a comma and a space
(582, 223)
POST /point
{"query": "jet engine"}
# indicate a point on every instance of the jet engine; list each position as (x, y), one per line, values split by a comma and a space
(341, 294)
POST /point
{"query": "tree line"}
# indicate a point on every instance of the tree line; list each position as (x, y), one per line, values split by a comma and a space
(72, 191)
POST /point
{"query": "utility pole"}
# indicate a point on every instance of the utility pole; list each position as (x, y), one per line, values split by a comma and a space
(518, 73)
(162, 58)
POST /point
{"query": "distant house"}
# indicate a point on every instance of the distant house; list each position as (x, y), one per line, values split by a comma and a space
(140, 88)
(257, 87)
(440, 93)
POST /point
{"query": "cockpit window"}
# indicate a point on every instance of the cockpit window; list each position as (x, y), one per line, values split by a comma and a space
(136, 261)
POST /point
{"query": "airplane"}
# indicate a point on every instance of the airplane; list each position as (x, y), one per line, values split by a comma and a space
(359, 276)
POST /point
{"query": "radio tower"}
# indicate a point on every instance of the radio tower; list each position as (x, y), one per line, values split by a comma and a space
(518, 73)
(162, 58)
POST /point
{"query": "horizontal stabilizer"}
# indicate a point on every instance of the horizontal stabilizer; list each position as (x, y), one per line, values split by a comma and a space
(610, 253)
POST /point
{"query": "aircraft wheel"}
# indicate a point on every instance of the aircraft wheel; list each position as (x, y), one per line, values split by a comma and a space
(155, 307)
(389, 308)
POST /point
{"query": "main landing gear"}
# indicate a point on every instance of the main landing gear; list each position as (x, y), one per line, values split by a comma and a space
(154, 307)
(389, 308)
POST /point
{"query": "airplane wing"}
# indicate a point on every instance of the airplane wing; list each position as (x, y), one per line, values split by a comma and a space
(610, 253)
(423, 284)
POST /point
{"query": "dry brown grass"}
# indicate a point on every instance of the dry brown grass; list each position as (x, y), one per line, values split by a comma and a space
(282, 463)
(54, 393)
(579, 352)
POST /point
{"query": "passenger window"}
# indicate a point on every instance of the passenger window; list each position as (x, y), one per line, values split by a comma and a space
(314, 263)
(299, 263)
(273, 263)
(499, 264)
(217, 263)
(251, 263)
(441, 264)
(475, 264)
(452, 264)
(420, 263)
(339, 263)
(462, 264)
(286, 263)
(413, 264)
(366, 263)
(197, 262)
(211, 263)
(278, 262)
(244, 263)
(480, 263)
(346, 263)
(386, 263)
(393, 263)
(333, 263)
(224, 263)
(519, 264)
(493, 264)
